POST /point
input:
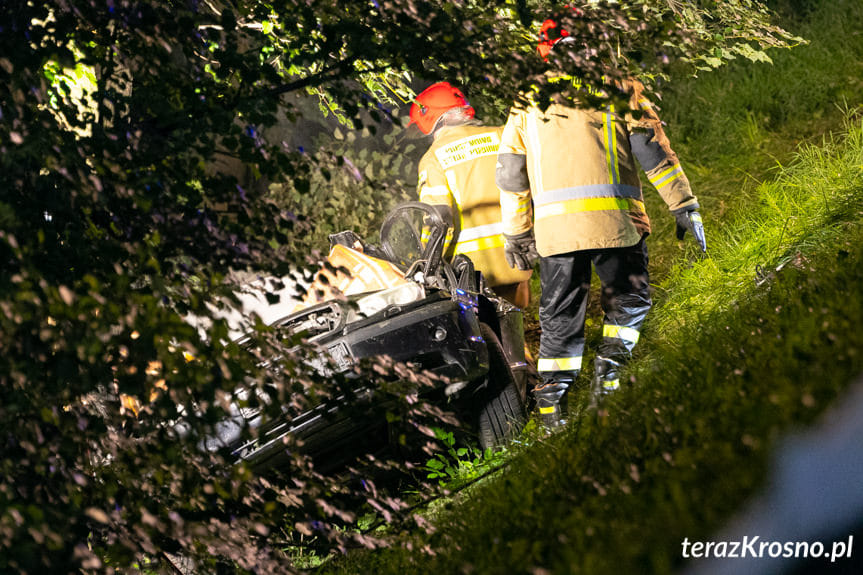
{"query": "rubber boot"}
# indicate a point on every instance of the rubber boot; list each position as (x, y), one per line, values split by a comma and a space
(606, 378)
(551, 403)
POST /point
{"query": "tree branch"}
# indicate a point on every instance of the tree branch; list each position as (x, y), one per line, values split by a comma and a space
(317, 79)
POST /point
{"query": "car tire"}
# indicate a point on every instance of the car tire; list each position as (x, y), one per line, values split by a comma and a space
(501, 414)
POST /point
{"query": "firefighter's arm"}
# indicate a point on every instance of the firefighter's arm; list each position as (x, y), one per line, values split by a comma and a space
(433, 190)
(512, 179)
(665, 173)
(652, 149)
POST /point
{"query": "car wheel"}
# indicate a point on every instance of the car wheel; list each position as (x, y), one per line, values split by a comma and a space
(501, 411)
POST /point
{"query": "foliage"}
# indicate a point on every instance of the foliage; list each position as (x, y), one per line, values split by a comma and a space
(129, 203)
(456, 464)
(355, 178)
(729, 24)
(736, 104)
(644, 39)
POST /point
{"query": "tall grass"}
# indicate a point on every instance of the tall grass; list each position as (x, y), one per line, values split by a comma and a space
(790, 215)
(731, 112)
(733, 128)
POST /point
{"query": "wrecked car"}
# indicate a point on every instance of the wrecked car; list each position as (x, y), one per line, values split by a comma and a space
(403, 300)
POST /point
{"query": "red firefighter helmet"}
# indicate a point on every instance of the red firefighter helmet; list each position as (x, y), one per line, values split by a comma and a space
(551, 32)
(432, 102)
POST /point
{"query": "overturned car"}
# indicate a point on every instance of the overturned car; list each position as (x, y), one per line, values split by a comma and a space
(406, 302)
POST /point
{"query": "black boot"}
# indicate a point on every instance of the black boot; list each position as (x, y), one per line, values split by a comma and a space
(551, 414)
(606, 377)
(551, 403)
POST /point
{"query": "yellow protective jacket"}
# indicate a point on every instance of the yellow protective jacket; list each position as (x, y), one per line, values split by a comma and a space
(571, 174)
(458, 171)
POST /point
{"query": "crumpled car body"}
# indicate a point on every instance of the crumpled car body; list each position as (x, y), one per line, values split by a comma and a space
(436, 315)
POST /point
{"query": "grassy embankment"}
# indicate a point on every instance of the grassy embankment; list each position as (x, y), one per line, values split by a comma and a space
(735, 353)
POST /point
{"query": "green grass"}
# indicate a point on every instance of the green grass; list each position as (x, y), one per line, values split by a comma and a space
(799, 210)
(733, 128)
(743, 346)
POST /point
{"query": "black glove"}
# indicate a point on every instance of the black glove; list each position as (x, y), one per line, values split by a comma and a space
(520, 250)
(688, 219)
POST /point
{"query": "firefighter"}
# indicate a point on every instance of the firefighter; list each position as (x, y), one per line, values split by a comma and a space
(457, 175)
(570, 195)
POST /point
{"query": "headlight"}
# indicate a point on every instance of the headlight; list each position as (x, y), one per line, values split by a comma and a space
(374, 302)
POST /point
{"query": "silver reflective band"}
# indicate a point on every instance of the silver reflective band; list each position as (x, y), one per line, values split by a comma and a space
(590, 191)
(477, 232)
(559, 364)
(667, 176)
(621, 332)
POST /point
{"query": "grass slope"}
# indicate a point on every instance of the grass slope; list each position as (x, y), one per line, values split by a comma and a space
(734, 127)
(743, 346)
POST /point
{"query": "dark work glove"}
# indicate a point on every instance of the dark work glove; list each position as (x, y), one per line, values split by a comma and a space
(688, 219)
(520, 250)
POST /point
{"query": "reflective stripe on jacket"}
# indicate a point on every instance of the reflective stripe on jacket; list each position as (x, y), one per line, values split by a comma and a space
(458, 171)
(578, 170)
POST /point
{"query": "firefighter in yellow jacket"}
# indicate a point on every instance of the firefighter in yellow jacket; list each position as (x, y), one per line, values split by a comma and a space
(457, 174)
(570, 190)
